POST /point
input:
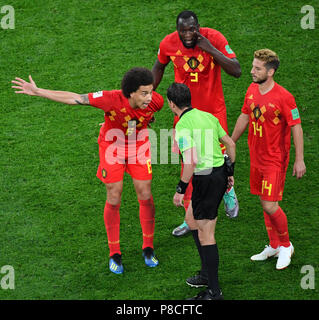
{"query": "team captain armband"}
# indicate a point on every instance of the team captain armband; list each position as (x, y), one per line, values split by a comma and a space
(181, 187)
(230, 166)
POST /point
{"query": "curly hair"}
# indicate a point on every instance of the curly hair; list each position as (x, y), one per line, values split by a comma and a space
(135, 78)
(270, 57)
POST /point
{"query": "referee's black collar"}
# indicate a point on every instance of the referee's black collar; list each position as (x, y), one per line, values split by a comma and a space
(185, 111)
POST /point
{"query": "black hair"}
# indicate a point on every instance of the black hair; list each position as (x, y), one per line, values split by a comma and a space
(135, 78)
(179, 94)
(186, 15)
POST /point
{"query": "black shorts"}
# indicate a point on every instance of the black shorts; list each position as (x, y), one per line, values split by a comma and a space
(208, 192)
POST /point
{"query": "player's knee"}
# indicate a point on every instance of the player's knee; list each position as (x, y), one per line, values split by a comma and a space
(143, 190)
(269, 207)
(144, 194)
(113, 199)
(114, 194)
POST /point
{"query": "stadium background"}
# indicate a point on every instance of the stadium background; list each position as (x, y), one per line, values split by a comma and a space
(51, 203)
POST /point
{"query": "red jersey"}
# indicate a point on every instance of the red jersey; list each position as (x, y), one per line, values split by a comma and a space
(123, 123)
(197, 68)
(270, 117)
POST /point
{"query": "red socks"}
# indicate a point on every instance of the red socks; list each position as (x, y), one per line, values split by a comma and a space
(112, 226)
(272, 232)
(147, 220)
(280, 224)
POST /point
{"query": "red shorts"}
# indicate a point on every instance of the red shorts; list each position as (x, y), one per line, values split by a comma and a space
(266, 183)
(111, 169)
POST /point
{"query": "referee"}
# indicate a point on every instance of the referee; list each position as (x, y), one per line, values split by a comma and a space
(198, 135)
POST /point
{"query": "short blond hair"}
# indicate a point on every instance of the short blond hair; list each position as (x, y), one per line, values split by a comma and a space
(270, 57)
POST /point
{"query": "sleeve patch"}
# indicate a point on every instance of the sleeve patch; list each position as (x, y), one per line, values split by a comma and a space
(182, 143)
(228, 49)
(295, 114)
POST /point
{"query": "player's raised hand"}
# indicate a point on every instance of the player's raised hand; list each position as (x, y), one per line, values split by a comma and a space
(202, 42)
(25, 87)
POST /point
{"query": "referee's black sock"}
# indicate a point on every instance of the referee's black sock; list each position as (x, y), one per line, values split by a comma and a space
(211, 259)
(203, 270)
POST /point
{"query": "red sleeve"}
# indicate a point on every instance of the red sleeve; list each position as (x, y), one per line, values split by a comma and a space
(245, 109)
(290, 110)
(221, 44)
(101, 99)
(161, 55)
(157, 102)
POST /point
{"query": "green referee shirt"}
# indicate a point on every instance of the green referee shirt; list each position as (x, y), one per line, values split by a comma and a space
(202, 130)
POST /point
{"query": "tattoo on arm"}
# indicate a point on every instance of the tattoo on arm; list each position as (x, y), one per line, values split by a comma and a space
(84, 100)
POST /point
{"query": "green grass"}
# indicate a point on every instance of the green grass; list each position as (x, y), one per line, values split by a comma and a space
(51, 203)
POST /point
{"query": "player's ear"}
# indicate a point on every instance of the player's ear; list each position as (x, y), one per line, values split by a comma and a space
(170, 104)
(271, 72)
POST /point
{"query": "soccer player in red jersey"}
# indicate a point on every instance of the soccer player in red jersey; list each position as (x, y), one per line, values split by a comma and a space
(271, 113)
(123, 147)
(198, 55)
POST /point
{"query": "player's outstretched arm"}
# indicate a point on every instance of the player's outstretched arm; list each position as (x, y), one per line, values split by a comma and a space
(31, 89)
(299, 168)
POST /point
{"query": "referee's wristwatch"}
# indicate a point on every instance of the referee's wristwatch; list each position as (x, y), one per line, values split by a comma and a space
(181, 187)
(230, 166)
